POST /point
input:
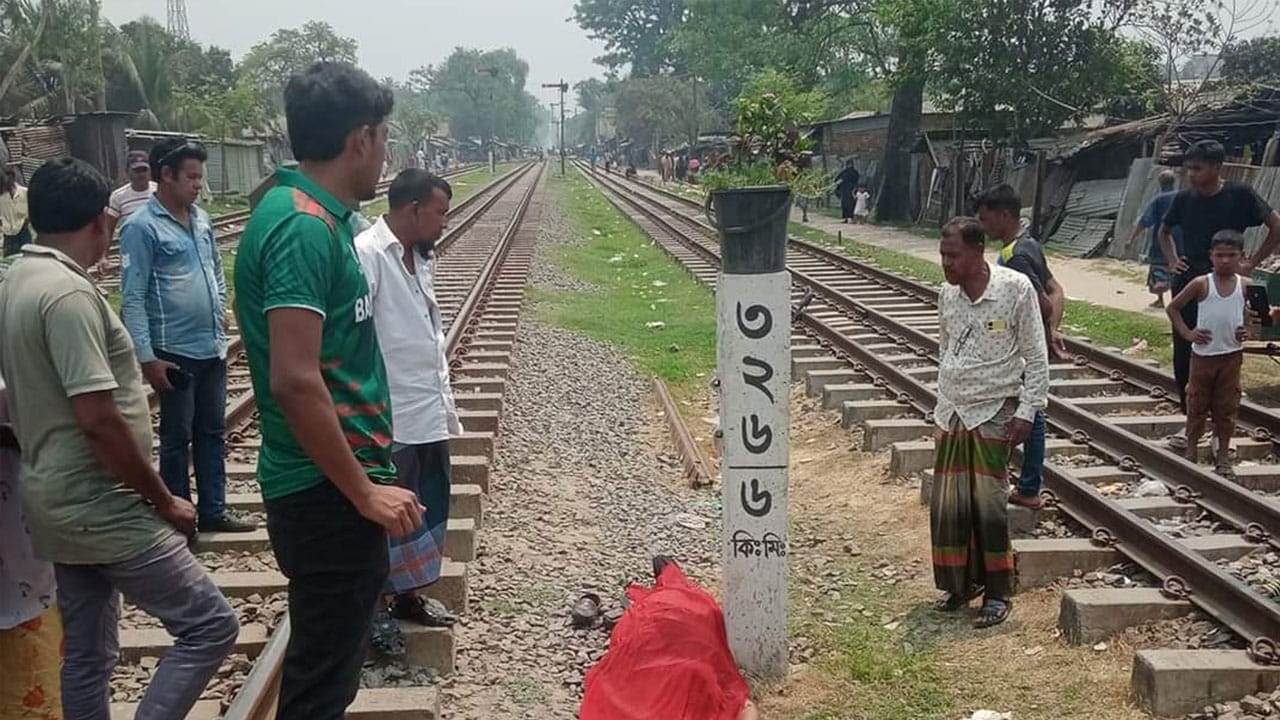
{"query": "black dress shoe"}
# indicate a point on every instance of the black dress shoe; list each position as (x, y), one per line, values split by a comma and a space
(226, 522)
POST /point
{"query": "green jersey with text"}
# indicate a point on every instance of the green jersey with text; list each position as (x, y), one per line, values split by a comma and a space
(298, 252)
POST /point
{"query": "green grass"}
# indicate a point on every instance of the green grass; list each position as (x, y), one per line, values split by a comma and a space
(874, 671)
(643, 303)
(223, 204)
(1103, 325)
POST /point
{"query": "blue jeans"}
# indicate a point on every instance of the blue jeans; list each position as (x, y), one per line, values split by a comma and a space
(165, 582)
(1032, 476)
(194, 422)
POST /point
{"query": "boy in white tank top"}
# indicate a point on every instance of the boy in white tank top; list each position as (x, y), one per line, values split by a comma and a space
(1213, 389)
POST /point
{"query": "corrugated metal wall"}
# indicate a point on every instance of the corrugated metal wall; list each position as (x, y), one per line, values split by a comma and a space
(31, 146)
(1141, 186)
(243, 163)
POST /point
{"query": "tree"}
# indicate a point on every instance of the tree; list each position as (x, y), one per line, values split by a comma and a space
(835, 46)
(482, 93)
(912, 23)
(1019, 69)
(52, 56)
(594, 97)
(220, 111)
(271, 63)
(1253, 61)
(412, 124)
(661, 109)
(635, 32)
(1179, 30)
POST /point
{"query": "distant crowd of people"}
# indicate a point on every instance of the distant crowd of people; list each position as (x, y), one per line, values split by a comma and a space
(999, 330)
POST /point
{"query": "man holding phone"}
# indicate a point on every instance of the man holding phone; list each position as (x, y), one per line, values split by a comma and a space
(1211, 204)
(174, 297)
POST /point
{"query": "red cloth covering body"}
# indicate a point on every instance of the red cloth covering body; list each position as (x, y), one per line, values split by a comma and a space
(668, 658)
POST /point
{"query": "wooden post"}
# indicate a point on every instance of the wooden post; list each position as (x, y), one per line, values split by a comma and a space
(754, 348)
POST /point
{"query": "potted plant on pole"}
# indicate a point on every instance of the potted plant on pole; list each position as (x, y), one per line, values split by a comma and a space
(749, 196)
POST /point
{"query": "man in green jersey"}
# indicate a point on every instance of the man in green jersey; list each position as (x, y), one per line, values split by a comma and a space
(306, 318)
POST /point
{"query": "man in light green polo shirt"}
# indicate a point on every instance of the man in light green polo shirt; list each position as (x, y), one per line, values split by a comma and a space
(306, 317)
(95, 506)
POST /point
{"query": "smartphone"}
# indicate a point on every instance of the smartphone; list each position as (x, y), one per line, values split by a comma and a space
(178, 378)
(1259, 303)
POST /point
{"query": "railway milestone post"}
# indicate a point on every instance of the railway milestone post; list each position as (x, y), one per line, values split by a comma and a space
(754, 370)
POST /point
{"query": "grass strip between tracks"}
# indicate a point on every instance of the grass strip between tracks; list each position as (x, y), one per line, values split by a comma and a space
(642, 302)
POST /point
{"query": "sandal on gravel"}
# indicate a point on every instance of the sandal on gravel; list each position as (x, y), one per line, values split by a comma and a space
(1225, 470)
(424, 611)
(951, 602)
(586, 610)
(1034, 502)
(993, 613)
(385, 635)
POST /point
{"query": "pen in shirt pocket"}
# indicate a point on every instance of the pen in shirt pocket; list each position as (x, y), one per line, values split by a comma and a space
(964, 338)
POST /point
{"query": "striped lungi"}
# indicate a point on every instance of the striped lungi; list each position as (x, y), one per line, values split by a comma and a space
(415, 560)
(968, 508)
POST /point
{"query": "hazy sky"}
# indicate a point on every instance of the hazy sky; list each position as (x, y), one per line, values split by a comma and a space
(399, 35)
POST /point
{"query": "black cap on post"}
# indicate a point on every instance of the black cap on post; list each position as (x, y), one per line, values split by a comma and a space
(753, 228)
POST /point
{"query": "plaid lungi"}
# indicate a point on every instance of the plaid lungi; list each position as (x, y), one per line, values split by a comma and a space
(968, 508)
(415, 560)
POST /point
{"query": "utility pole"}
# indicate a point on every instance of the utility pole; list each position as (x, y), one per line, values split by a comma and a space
(563, 87)
(493, 118)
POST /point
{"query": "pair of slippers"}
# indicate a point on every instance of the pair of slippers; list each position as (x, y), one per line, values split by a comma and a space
(587, 609)
(993, 612)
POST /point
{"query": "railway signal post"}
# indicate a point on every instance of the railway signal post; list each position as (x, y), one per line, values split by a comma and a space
(563, 87)
(754, 369)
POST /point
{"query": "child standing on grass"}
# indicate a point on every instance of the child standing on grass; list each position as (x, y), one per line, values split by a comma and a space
(862, 205)
(1213, 389)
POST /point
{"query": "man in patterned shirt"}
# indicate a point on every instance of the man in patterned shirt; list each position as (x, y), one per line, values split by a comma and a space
(328, 482)
(993, 377)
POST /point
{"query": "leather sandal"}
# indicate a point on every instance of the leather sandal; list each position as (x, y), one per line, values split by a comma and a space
(951, 602)
(424, 611)
(586, 610)
(993, 613)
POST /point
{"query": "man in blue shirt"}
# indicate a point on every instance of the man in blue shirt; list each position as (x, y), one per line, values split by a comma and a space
(1158, 277)
(174, 297)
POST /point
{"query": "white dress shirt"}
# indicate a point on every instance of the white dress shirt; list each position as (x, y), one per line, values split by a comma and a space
(990, 350)
(411, 337)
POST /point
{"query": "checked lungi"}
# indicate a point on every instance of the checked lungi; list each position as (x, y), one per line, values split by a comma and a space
(968, 508)
(415, 560)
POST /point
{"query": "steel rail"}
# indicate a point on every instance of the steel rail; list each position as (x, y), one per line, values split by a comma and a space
(1261, 421)
(1186, 574)
(259, 694)
(1248, 512)
(695, 465)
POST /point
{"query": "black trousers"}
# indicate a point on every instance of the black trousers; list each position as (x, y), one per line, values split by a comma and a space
(336, 562)
(1182, 348)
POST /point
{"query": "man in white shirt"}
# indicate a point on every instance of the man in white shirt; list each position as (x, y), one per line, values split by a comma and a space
(993, 377)
(128, 198)
(396, 254)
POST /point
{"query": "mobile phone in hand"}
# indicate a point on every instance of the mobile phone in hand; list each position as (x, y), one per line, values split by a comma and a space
(1259, 304)
(178, 378)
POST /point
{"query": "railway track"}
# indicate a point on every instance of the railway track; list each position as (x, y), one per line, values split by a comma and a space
(227, 228)
(1198, 544)
(483, 264)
